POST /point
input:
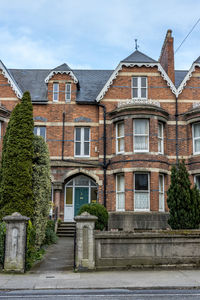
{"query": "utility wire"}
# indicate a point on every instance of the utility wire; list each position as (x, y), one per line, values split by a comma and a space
(187, 35)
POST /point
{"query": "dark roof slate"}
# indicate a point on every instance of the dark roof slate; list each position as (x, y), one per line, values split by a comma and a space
(62, 68)
(179, 76)
(90, 81)
(139, 57)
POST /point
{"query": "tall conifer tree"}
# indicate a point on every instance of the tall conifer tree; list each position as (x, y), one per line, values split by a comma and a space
(16, 172)
(183, 201)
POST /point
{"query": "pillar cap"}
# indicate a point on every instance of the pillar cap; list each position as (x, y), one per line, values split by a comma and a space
(85, 217)
(15, 217)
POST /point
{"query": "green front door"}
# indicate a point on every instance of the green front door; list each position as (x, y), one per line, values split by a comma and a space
(81, 197)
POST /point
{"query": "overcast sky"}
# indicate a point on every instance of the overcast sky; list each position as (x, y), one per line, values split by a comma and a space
(94, 34)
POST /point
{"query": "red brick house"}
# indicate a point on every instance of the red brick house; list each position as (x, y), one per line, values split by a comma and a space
(113, 135)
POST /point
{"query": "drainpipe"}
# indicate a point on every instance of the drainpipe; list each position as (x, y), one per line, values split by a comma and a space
(176, 118)
(63, 136)
(105, 165)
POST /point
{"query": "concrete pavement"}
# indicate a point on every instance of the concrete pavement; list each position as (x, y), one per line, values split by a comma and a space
(106, 279)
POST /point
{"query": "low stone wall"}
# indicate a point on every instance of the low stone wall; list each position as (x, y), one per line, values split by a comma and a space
(147, 249)
(128, 221)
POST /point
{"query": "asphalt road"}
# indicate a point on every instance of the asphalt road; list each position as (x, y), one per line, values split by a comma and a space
(108, 294)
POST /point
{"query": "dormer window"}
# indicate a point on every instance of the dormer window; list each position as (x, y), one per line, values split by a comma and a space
(55, 91)
(139, 87)
(68, 92)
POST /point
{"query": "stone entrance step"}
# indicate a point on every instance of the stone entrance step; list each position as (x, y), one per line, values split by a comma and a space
(66, 229)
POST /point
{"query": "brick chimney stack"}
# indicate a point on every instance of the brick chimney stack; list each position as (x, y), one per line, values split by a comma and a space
(167, 55)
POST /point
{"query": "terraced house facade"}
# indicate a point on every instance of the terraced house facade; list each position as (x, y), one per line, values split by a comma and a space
(113, 135)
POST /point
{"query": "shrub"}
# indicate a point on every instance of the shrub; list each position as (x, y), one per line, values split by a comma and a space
(97, 210)
(2, 241)
(41, 188)
(50, 235)
(183, 201)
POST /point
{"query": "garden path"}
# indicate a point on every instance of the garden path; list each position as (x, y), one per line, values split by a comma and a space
(58, 257)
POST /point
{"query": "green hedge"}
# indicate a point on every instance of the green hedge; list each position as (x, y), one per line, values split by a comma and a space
(97, 210)
(2, 241)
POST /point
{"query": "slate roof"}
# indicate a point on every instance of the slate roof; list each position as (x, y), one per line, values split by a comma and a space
(139, 57)
(90, 81)
(179, 76)
(197, 60)
(62, 68)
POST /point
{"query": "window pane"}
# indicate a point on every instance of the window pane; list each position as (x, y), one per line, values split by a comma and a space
(160, 132)
(86, 148)
(143, 93)
(93, 195)
(120, 183)
(161, 201)
(161, 188)
(135, 93)
(120, 201)
(143, 82)
(82, 180)
(141, 126)
(197, 179)
(197, 130)
(120, 129)
(68, 87)
(69, 195)
(141, 143)
(78, 134)
(160, 145)
(43, 132)
(197, 145)
(35, 130)
(55, 87)
(86, 134)
(141, 201)
(120, 145)
(135, 81)
(77, 148)
(141, 182)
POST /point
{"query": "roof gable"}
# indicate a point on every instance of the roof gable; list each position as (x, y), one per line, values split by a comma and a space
(6, 73)
(62, 69)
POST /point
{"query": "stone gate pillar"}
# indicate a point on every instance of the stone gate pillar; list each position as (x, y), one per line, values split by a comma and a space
(15, 246)
(85, 242)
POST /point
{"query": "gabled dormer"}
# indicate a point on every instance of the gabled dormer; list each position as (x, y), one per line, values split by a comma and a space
(62, 84)
(136, 61)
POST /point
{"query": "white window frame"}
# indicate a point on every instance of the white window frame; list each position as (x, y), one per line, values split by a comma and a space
(38, 130)
(118, 138)
(161, 138)
(195, 138)
(195, 179)
(148, 192)
(134, 135)
(161, 193)
(81, 142)
(67, 93)
(118, 176)
(139, 87)
(55, 92)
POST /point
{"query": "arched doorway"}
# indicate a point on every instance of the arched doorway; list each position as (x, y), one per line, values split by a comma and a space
(78, 191)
